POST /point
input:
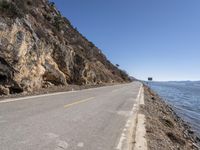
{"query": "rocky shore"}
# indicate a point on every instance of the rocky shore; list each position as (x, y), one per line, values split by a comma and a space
(165, 129)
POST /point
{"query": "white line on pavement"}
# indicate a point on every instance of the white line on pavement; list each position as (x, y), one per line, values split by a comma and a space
(32, 97)
(52, 94)
(125, 141)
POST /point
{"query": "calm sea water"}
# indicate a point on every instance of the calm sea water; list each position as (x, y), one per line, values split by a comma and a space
(185, 97)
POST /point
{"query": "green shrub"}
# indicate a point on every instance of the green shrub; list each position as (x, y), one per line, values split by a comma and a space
(52, 4)
(47, 17)
(10, 9)
(4, 5)
(57, 22)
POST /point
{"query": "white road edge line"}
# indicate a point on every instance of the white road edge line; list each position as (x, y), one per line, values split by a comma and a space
(32, 97)
(142, 96)
(140, 132)
(126, 139)
(140, 139)
(52, 94)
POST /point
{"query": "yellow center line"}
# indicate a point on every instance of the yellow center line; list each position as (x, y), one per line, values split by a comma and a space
(78, 102)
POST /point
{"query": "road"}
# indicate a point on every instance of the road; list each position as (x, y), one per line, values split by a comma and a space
(91, 119)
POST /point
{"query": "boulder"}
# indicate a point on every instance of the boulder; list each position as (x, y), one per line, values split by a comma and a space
(4, 91)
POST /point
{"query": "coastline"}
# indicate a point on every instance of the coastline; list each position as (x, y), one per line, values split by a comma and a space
(164, 128)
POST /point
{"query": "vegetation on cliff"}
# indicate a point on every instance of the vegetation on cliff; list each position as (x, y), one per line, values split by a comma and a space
(40, 48)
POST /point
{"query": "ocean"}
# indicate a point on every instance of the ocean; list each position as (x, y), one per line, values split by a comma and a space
(184, 97)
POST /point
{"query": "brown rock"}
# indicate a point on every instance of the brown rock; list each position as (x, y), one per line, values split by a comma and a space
(4, 91)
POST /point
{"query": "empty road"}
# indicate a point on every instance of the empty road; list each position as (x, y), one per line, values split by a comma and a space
(91, 119)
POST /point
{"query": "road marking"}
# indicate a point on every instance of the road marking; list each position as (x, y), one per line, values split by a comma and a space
(126, 139)
(142, 97)
(32, 97)
(140, 132)
(80, 144)
(140, 139)
(58, 93)
(78, 102)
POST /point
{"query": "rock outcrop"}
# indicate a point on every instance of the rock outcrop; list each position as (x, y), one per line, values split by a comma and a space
(40, 48)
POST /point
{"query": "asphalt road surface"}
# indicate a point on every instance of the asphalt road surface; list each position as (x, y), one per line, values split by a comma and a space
(80, 120)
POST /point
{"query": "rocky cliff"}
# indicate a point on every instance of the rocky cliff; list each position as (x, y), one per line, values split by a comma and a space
(40, 48)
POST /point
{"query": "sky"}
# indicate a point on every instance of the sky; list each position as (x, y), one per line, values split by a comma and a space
(147, 38)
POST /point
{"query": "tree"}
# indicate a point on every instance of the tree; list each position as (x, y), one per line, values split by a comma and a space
(117, 65)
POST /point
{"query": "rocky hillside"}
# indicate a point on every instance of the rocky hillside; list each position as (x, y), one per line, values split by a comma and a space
(39, 48)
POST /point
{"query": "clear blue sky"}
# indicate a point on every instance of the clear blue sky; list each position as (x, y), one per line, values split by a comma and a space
(158, 38)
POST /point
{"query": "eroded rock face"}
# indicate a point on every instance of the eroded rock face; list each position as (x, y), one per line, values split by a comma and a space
(40, 48)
